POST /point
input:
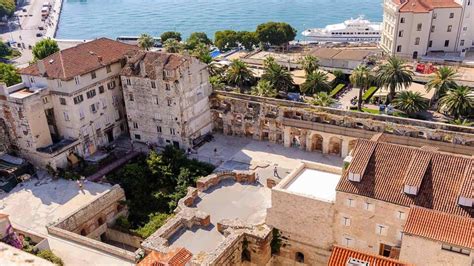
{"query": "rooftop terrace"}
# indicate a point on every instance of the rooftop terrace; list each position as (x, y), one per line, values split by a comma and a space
(316, 183)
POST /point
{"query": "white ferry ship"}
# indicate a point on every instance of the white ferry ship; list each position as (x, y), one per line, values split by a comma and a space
(352, 30)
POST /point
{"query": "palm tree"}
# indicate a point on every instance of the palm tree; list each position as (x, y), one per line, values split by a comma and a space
(322, 98)
(309, 64)
(278, 76)
(315, 82)
(145, 41)
(216, 82)
(395, 75)
(458, 101)
(410, 102)
(268, 61)
(361, 78)
(462, 122)
(442, 81)
(172, 46)
(264, 88)
(239, 74)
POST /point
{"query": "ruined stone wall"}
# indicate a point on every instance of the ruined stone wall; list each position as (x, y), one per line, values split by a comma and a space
(294, 123)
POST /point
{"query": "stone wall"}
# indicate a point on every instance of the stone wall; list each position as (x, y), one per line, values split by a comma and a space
(117, 236)
(327, 130)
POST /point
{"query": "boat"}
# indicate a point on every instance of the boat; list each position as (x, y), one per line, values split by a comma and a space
(351, 31)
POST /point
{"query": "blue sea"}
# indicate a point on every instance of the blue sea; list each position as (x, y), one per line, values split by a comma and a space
(87, 19)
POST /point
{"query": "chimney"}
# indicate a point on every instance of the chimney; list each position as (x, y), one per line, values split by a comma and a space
(41, 67)
(142, 68)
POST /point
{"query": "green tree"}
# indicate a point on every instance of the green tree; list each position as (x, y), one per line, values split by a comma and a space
(7, 8)
(316, 81)
(225, 40)
(9, 74)
(50, 256)
(361, 79)
(248, 39)
(458, 101)
(395, 75)
(443, 80)
(156, 220)
(264, 88)
(279, 77)
(239, 74)
(45, 48)
(172, 46)
(216, 82)
(197, 38)
(170, 35)
(410, 102)
(340, 77)
(461, 122)
(4, 49)
(145, 41)
(275, 33)
(309, 63)
(322, 98)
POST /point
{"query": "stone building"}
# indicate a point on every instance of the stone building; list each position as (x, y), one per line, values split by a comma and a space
(371, 202)
(167, 98)
(412, 28)
(350, 257)
(71, 101)
(445, 239)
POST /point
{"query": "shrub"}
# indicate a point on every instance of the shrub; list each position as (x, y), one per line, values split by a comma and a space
(368, 93)
(49, 255)
(275, 244)
(156, 221)
(337, 89)
(122, 223)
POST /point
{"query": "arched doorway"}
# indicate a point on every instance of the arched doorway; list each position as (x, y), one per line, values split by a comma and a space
(299, 257)
(335, 146)
(316, 143)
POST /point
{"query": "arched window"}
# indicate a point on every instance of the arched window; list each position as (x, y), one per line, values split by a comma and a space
(299, 257)
(83, 232)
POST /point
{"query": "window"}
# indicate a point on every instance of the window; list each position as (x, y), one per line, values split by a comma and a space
(81, 114)
(419, 26)
(60, 84)
(156, 100)
(128, 82)
(93, 75)
(130, 97)
(430, 43)
(103, 101)
(93, 108)
(299, 257)
(402, 20)
(91, 94)
(435, 15)
(158, 129)
(417, 40)
(433, 28)
(137, 136)
(369, 206)
(77, 80)
(401, 215)
(446, 43)
(101, 89)
(167, 87)
(385, 250)
(32, 80)
(78, 99)
(153, 84)
(451, 15)
(399, 235)
(350, 202)
(62, 101)
(461, 43)
(108, 69)
(381, 229)
(464, 29)
(135, 125)
(455, 249)
(111, 85)
(45, 100)
(400, 33)
(450, 28)
(169, 102)
(115, 100)
(346, 221)
(172, 131)
(66, 116)
(399, 48)
(347, 241)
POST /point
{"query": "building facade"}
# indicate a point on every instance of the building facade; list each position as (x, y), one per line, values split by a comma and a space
(167, 98)
(412, 28)
(70, 101)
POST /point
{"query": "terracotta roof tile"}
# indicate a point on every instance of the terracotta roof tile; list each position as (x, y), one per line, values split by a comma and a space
(440, 226)
(341, 255)
(424, 6)
(385, 175)
(175, 257)
(80, 59)
(362, 156)
(417, 167)
(467, 188)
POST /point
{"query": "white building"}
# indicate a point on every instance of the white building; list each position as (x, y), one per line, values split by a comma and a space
(412, 28)
(69, 102)
(167, 98)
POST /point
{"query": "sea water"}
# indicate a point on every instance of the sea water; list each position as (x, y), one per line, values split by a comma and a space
(88, 19)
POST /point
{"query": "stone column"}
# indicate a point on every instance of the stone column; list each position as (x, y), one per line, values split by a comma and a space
(344, 147)
(308, 141)
(287, 137)
(326, 139)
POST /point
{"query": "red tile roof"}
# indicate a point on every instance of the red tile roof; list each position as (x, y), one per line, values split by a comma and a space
(467, 188)
(81, 59)
(385, 172)
(176, 257)
(448, 228)
(340, 256)
(424, 6)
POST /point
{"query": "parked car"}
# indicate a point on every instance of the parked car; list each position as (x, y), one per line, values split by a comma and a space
(40, 28)
(39, 34)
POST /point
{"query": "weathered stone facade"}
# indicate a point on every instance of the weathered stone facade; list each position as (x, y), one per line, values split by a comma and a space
(327, 130)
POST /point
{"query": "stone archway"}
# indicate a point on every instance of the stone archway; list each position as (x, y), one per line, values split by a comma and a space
(335, 144)
(316, 143)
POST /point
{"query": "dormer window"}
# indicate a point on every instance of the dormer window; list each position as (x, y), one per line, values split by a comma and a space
(411, 190)
(77, 80)
(467, 202)
(354, 177)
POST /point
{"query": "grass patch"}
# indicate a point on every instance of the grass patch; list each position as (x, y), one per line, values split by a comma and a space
(337, 89)
(368, 93)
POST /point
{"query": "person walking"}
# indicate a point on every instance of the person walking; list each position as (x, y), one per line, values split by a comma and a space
(275, 171)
